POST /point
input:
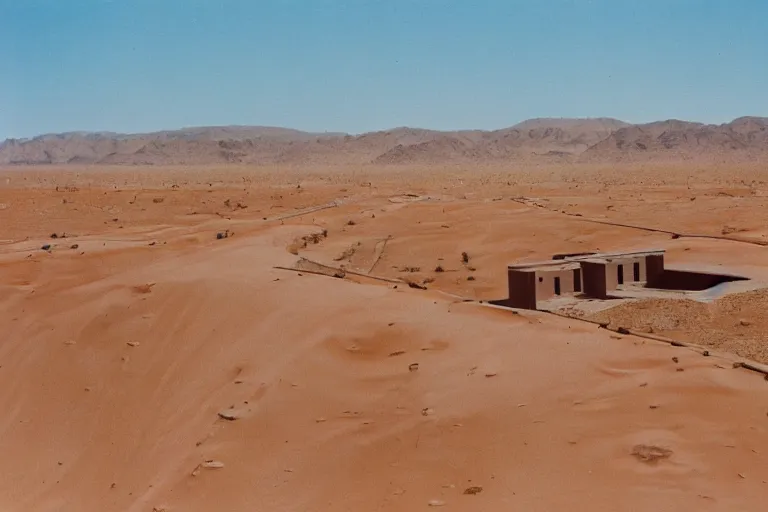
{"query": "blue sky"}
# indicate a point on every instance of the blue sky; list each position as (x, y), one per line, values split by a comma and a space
(359, 65)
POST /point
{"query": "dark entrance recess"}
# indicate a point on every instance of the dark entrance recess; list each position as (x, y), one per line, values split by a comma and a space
(620, 274)
(577, 280)
(557, 286)
(636, 271)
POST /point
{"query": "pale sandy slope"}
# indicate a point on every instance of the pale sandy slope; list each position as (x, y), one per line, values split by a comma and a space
(541, 413)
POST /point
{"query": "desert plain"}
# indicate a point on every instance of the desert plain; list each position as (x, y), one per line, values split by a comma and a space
(282, 337)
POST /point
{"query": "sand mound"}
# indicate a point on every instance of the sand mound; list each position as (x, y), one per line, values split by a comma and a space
(735, 323)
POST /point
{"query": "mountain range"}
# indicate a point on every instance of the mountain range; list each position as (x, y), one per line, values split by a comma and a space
(551, 139)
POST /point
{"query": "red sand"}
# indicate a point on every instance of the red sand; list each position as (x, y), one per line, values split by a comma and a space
(118, 356)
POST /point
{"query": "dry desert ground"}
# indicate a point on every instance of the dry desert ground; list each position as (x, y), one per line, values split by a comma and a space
(147, 364)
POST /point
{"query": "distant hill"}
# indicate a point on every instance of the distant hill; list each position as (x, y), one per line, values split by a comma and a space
(745, 138)
(587, 140)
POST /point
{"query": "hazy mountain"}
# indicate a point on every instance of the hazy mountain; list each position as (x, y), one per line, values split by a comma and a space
(590, 140)
(742, 139)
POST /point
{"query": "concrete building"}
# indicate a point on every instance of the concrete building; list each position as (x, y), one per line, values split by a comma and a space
(592, 275)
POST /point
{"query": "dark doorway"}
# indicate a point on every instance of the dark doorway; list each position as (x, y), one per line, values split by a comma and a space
(620, 274)
(557, 286)
(577, 280)
(636, 270)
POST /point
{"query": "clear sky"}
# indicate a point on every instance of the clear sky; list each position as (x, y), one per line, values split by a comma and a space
(359, 65)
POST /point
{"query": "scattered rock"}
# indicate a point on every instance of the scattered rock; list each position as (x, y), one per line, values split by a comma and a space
(230, 415)
(471, 278)
(427, 411)
(46, 247)
(143, 288)
(439, 269)
(650, 454)
(222, 235)
(745, 323)
(436, 503)
(158, 200)
(413, 367)
(675, 359)
(70, 342)
(475, 489)
(705, 353)
(464, 258)
(212, 464)
(489, 375)
(74, 246)
(397, 353)
(133, 343)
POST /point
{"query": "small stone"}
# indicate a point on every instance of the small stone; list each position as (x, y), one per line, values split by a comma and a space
(475, 489)
(653, 406)
(212, 464)
(489, 375)
(46, 247)
(745, 323)
(413, 367)
(650, 454)
(436, 503)
(397, 353)
(230, 415)
(133, 343)
(70, 342)
(427, 411)
(675, 359)
(705, 353)
(320, 420)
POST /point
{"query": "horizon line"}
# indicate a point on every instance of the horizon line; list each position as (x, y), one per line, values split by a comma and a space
(354, 134)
